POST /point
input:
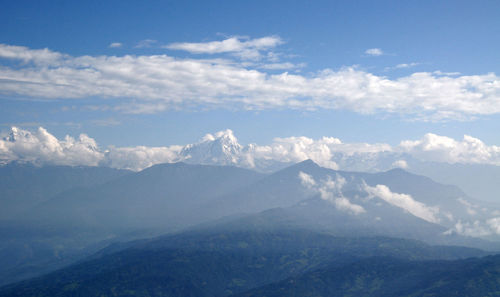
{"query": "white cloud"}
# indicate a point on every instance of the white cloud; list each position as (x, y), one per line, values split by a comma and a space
(374, 52)
(242, 47)
(405, 202)
(306, 180)
(400, 164)
(406, 65)
(474, 229)
(331, 190)
(494, 224)
(115, 45)
(146, 84)
(438, 148)
(282, 66)
(470, 208)
(41, 147)
(223, 148)
(146, 43)
(140, 157)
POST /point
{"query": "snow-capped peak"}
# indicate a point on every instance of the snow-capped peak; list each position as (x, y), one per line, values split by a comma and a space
(221, 148)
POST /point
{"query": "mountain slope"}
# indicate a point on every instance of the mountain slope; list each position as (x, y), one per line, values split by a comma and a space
(217, 263)
(393, 277)
(161, 196)
(23, 186)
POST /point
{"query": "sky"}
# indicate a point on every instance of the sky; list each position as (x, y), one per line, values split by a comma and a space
(162, 73)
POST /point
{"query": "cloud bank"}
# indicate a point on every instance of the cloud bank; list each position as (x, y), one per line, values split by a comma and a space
(223, 148)
(159, 82)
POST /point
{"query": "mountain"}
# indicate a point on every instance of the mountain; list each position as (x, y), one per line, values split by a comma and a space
(171, 197)
(476, 180)
(79, 220)
(23, 185)
(219, 149)
(380, 276)
(159, 197)
(218, 263)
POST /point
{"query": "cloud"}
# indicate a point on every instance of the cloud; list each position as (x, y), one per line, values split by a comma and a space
(405, 202)
(281, 66)
(494, 224)
(407, 65)
(438, 148)
(41, 147)
(400, 164)
(306, 180)
(222, 148)
(331, 190)
(115, 45)
(470, 208)
(474, 229)
(140, 157)
(242, 47)
(154, 83)
(374, 52)
(146, 43)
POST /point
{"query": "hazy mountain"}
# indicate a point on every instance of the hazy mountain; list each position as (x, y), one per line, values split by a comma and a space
(170, 197)
(159, 197)
(478, 181)
(23, 185)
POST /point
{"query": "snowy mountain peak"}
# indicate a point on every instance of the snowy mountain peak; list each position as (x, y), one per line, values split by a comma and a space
(221, 148)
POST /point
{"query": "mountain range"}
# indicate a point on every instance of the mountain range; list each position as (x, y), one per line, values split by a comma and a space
(231, 230)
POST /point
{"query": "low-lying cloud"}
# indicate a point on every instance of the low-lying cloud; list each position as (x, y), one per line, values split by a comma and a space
(405, 202)
(331, 190)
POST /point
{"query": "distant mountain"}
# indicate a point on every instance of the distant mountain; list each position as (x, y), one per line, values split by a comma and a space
(159, 197)
(23, 185)
(219, 263)
(220, 149)
(479, 181)
(171, 197)
(78, 221)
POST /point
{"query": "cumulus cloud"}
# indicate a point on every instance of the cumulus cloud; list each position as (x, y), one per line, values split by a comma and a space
(374, 52)
(140, 157)
(438, 148)
(41, 147)
(222, 148)
(331, 190)
(160, 82)
(242, 47)
(405, 202)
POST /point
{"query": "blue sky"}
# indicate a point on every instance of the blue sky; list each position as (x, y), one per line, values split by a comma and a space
(432, 67)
